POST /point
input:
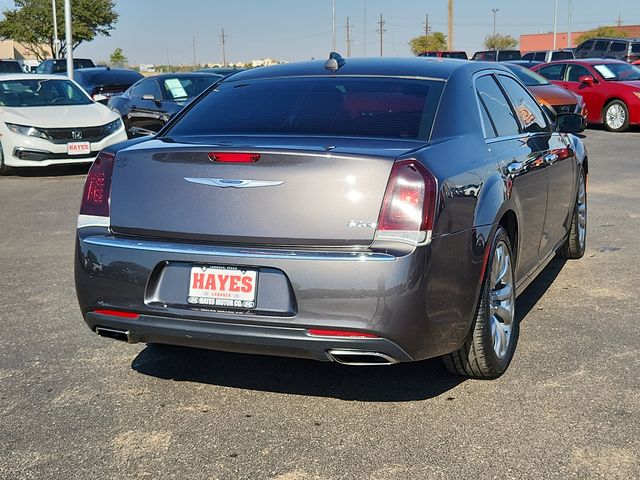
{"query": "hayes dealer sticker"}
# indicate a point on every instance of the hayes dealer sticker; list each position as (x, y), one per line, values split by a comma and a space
(223, 287)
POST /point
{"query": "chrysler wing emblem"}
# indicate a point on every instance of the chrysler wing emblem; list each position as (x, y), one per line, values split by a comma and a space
(233, 182)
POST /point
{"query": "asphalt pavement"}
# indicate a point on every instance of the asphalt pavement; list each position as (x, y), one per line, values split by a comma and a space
(77, 406)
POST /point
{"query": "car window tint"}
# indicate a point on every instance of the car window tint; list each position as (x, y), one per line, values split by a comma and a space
(505, 55)
(588, 45)
(489, 129)
(477, 56)
(497, 106)
(182, 88)
(552, 72)
(635, 48)
(574, 72)
(528, 110)
(600, 45)
(10, 67)
(147, 87)
(348, 106)
(539, 57)
(491, 56)
(617, 47)
(528, 56)
(561, 56)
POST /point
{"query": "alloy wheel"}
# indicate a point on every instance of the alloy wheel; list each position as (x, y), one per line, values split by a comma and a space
(501, 300)
(615, 116)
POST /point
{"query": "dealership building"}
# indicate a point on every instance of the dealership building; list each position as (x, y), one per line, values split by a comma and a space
(544, 41)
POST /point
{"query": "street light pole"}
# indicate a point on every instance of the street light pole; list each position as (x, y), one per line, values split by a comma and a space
(569, 42)
(56, 41)
(333, 25)
(68, 37)
(494, 10)
(555, 24)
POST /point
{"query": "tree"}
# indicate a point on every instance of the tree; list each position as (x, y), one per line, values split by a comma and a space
(31, 23)
(436, 41)
(117, 57)
(500, 42)
(601, 32)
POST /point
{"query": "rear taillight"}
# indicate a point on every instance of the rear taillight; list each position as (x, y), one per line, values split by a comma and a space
(117, 313)
(97, 187)
(409, 203)
(234, 157)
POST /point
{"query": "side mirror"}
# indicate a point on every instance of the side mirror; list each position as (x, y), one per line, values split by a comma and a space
(587, 79)
(149, 96)
(569, 123)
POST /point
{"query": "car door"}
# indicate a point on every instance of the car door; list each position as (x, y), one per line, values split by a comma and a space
(592, 93)
(558, 158)
(145, 108)
(517, 155)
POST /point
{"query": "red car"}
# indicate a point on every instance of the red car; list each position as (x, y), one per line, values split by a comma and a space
(610, 88)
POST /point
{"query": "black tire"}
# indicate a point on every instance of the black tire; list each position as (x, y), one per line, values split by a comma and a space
(478, 357)
(4, 169)
(619, 106)
(576, 242)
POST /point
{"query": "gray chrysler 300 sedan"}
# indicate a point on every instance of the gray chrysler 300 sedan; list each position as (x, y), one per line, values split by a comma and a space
(367, 211)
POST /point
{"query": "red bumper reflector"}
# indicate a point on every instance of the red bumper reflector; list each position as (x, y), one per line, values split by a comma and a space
(117, 313)
(234, 157)
(339, 333)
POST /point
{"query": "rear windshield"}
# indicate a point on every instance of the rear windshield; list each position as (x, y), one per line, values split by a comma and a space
(509, 55)
(343, 106)
(460, 55)
(562, 56)
(41, 93)
(105, 77)
(527, 77)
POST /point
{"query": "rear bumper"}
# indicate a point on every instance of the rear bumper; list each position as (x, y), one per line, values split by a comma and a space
(241, 338)
(419, 304)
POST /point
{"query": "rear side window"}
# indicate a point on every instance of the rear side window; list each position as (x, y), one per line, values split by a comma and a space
(540, 57)
(561, 56)
(617, 47)
(635, 48)
(460, 55)
(491, 56)
(147, 87)
(347, 106)
(601, 45)
(574, 72)
(497, 107)
(10, 67)
(529, 113)
(588, 45)
(528, 56)
(506, 55)
(552, 72)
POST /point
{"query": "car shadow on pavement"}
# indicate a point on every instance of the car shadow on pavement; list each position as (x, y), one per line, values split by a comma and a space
(53, 171)
(396, 383)
(534, 292)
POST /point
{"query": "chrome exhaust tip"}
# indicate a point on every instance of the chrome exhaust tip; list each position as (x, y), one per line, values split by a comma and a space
(361, 358)
(115, 333)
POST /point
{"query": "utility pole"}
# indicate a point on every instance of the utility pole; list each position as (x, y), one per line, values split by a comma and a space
(68, 37)
(364, 30)
(56, 40)
(167, 59)
(555, 24)
(349, 26)
(450, 25)
(223, 38)
(381, 31)
(569, 42)
(619, 22)
(494, 10)
(194, 52)
(426, 25)
(333, 25)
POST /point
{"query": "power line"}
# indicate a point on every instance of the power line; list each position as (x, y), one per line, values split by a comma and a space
(381, 31)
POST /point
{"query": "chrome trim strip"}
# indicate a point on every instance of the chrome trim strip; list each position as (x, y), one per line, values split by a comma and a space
(93, 221)
(236, 252)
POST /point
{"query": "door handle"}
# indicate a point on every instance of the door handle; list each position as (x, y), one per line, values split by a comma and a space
(515, 167)
(550, 158)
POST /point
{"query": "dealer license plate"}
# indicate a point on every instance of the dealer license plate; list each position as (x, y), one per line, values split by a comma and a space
(226, 287)
(78, 148)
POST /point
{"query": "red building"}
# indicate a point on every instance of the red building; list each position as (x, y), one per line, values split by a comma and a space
(544, 41)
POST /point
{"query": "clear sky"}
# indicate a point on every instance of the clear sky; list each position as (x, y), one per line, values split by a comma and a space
(292, 30)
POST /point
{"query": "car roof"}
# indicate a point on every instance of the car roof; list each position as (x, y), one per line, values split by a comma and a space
(634, 39)
(588, 61)
(412, 67)
(31, 76)
(187, 75)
